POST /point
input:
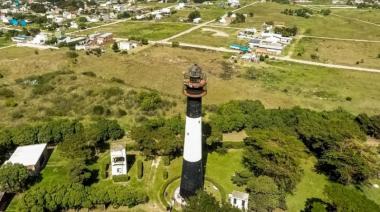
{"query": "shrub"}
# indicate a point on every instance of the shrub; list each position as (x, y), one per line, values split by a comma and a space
(175, 44)
(166, 160)
(72, 54)
(193, 15)
(114, 79)
(165, 175)
(120, 178)
(103, 170)
(348, 98)
(89, 74)
(140, 169)
(7, 93)
(98, 110)
(144, 41)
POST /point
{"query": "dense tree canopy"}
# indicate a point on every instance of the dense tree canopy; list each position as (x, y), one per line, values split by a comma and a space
(160, 136)
(13, 177)
(349, 199)
(65, 196)
(203, 201)
(264, 194)
(276, 155)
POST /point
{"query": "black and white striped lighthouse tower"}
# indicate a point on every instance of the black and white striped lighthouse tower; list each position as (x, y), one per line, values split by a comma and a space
(192, 169)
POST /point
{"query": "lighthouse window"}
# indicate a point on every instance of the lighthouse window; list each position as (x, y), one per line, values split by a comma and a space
(234, 201)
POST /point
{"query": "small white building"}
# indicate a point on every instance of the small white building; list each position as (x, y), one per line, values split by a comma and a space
(197, 20)
(31, 156)
(233, 3)
(239, 200)
(118, 160)
(126, 45)
(40, 38)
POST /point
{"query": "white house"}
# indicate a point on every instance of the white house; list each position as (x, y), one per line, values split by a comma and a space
(40, 38)
(118, 160)
(180, 6)
(197, 20)
(74, 25)
(239, 200)
(31, 156)
(126, 45)
(233, 3)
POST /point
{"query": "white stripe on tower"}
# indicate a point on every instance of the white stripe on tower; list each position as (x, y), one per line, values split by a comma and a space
(193, 139)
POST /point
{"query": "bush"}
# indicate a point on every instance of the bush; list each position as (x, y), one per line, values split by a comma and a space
(89, 74)
(144, 41)
(72, 54)
(166, 160)
(7, 93)
(175, 44)
(165, 175)
(98, 110)
(140, 169)
(103, 170)
(120, 178)
(193, 15)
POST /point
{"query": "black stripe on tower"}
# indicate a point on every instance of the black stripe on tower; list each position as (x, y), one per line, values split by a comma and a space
(192, 178)
(194, 107)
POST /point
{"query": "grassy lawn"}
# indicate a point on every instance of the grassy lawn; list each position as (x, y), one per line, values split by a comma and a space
(212, 36)
(371, 192)
(339, 52)
(311, 185)
(222, 167)
(4, 42)
(328, 26)
(149, 30)
(235, 136)
(370, 15)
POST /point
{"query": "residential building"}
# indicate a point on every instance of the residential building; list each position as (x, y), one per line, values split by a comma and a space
(239, 200)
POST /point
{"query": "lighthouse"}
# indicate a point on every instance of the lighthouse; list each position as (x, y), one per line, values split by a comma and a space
(192, 169)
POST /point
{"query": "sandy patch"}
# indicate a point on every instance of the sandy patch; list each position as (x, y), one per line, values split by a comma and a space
(217, 33)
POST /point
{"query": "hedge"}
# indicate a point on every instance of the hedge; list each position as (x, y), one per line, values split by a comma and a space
(120, 178)
(140, 169)
(166, 160)
(103, 170)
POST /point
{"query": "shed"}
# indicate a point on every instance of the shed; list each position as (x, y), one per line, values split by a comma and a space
(31, 156)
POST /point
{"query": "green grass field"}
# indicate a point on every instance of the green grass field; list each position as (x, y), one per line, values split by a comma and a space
(149, 30)
(160, 68)
(339, 52)
(207, 13)
(311, 185)
(317, 25)
(4, 42)
(370, 15)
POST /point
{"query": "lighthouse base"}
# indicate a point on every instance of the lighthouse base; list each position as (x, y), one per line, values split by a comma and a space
(192, 178)
(178, 198)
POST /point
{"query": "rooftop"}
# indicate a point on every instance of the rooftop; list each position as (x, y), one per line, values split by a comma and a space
(27, 155)
(240, 195)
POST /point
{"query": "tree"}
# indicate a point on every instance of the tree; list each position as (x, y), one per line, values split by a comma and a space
(276, 155)
(78, 172)
(264, 194)
(203, 201)
(241, 178)
(13, 178)
(115, 47)
(38, 8)
(193, 15)
(349, 199)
